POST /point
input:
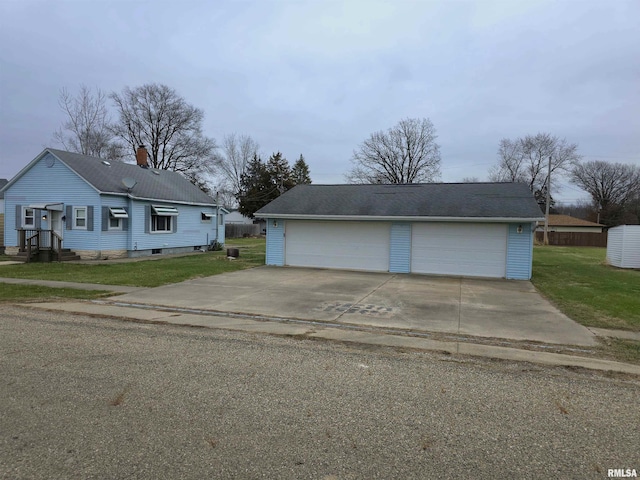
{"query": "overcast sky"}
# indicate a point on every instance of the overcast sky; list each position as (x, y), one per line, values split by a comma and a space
(318, 77)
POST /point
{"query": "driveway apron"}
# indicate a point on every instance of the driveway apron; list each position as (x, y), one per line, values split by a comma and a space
(463, 306)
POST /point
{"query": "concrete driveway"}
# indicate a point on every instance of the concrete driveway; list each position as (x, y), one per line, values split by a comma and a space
(479, 307)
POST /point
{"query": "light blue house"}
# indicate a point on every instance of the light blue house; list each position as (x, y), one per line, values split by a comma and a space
(464, 229)
(65, 201)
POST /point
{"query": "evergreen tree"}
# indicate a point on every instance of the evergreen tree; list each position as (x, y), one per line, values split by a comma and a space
(280, 173)
(256, 189)
(264, 182)
(300, 172)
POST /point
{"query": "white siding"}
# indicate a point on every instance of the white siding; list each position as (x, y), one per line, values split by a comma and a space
(623, 246)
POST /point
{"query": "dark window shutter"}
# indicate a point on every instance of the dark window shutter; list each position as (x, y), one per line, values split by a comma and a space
(105, 219)
(174, 224)
(37, 219)
(18, 217)
(90, 218)
(147, 218)
(125, 221)
(69, 218)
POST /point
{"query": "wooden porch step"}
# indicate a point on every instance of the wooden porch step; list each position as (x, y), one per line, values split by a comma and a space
(65, 255)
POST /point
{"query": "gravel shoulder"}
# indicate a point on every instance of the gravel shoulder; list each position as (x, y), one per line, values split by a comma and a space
(84, 397)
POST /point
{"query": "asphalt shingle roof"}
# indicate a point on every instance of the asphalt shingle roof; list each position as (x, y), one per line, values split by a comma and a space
(457, 200)
(151, 184)
(569, 221)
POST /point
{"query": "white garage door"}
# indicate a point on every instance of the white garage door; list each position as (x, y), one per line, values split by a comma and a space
(348, 245)
(471, 249)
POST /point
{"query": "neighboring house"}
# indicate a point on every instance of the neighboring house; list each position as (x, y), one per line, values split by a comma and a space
(102, 209)
(465, 229)
(623, 246)
(566, 223)
(235, 217)
(3, 182)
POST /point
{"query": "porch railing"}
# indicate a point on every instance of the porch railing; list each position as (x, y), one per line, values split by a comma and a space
(32, 241)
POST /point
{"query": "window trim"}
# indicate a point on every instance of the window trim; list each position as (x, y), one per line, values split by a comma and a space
(118, 227)
(154, 224)
(206, 217)
(32, 226)
(76, 218)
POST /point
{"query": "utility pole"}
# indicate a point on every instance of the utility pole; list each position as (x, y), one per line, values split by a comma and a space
(546, 215)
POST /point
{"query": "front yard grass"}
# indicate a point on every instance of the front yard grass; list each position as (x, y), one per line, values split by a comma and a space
(586, 289)
(17, 293)
(145, 273)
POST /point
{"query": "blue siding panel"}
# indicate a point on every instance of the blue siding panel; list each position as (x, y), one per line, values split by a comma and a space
(111, 239)
(48, 180)
(275, 242)
(400, 254)
(191, 230)
(53, 181)
(519, 251)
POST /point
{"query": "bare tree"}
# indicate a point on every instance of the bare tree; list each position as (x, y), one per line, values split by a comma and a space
(613, 187)
(406, 153)
(526, 159)
(237, 152)
(470, 180)
(157, 117)
(87, 129)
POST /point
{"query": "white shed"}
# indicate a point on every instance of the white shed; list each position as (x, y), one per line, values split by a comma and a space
(623, 246)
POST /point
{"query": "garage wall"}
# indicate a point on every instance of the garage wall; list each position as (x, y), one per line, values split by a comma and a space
(519, 251)
(400, 255)
(519, 248)
(275, 242)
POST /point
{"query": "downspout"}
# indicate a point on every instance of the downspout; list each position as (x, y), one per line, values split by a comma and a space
(131, 225)
(217, 226)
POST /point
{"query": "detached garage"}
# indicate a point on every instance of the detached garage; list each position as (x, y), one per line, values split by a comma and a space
(468, 229)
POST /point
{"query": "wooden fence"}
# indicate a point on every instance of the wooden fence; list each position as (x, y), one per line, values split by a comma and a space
(1, 232)
(574, 239)
(239, 230)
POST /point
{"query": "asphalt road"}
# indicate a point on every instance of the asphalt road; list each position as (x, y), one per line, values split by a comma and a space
(87, 398)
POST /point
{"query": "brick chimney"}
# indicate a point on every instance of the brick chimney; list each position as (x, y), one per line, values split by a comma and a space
(141, 157)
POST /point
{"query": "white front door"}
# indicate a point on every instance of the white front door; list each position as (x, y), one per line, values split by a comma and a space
(56, 222)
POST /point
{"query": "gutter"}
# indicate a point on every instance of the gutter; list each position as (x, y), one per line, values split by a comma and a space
(399, 218)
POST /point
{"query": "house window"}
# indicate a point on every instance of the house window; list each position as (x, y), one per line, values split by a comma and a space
(160, 223)
(80, 218)
(116, 214)
(206, 217)
(28, 218)
(220, 219)
(115, 224)
(161, 218)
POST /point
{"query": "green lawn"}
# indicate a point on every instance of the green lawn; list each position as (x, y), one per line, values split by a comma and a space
(14, 293)
(146, 273)
(587, 290)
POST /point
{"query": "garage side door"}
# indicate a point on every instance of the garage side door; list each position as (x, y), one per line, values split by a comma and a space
(472, 249)
(347, 245)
